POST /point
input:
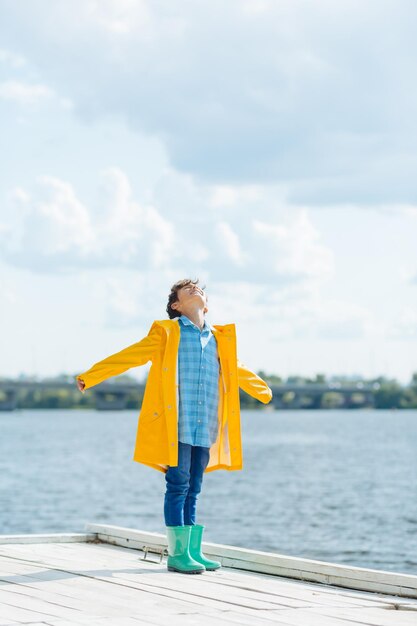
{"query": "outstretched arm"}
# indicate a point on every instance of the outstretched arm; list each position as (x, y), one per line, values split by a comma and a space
(137, 354)
(252, 384)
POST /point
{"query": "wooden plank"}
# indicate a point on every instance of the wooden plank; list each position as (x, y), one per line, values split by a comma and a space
(288, 593)
(139, 608)
(102, 584)
(47, 538)
(203, 610)
(201, 599)
(11, 612)
(334, 617)
(379, 617)
(81, 597)
(309, 590)
(172, 585)
(161, 618)
(237, 611)
(275, 564)
(136, 603)
(25, 623)
(272, 595)
(264, 582)
(185, 597)
(18, 598)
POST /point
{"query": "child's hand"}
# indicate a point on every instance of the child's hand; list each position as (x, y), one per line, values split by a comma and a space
(81, 385)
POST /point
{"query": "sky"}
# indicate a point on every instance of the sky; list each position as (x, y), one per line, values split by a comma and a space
(267, 148)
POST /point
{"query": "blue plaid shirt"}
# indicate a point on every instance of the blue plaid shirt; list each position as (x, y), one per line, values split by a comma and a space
(198, 378)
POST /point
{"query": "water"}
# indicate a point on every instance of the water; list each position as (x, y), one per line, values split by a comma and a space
(338, 486)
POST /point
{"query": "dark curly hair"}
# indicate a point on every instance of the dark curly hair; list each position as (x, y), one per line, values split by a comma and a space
(173, 296)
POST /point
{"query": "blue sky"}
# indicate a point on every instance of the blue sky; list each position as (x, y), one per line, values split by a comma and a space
(268, 148)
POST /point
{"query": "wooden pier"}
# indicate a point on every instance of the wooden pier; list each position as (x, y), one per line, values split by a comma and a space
(114, 576)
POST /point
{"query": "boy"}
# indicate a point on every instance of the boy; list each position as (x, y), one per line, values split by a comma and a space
(189, 421)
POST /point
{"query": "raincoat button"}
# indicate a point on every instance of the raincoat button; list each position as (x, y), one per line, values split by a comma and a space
(169, 406)
(155, 413)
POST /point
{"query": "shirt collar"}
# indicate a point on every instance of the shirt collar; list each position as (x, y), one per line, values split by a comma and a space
(187, 322)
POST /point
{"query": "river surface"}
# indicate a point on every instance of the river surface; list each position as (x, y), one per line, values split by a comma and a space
(338, 486)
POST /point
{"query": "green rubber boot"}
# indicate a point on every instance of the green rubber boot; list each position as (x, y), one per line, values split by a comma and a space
(179, 558)
(195, 548)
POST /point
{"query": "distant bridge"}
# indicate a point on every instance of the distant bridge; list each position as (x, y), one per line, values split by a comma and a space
(113, 396)
(312, 396)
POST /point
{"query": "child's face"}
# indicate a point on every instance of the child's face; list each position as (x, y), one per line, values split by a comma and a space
(189, 295)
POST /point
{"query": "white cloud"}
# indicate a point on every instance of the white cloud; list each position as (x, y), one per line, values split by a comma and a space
(283, 96)
(279, 246)
(54, 230)
(404, 327)
(123, 302)
(25, 94)
(295, 312)
(254, 7)
(294, 248)
(231, 195)
(341, 319)
(20, 196)
(8, 295)
(62, 221)
(131, 226)
(229, 241)
(119, 18)
(130, 298)
(283, 112)
(11, 59)
(409, 210)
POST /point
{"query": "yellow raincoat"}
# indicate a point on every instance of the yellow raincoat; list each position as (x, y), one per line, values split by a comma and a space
(157, 431)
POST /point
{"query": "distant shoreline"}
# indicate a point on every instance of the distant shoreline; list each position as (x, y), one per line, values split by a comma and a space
(126, 393)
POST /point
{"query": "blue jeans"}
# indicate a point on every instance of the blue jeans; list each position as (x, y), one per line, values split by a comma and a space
(183, 484)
